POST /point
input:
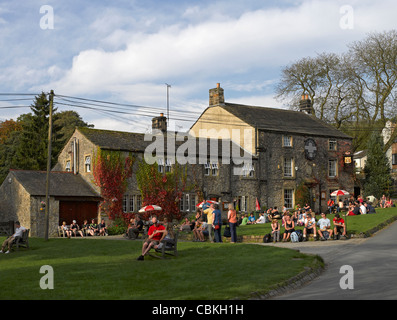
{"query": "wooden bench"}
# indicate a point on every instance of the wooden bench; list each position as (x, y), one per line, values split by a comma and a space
(22, 241)
(61, 232)
(169, 247)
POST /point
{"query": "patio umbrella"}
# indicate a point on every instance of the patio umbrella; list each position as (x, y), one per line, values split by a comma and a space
(200, 205)
(339, 193)
(150, 208)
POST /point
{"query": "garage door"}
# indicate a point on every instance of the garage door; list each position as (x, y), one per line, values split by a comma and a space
(77, 210)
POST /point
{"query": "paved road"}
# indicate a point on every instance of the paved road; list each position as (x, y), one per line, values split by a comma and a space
(373, 261)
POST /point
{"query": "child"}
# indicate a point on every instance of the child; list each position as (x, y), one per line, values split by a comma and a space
(275, 230)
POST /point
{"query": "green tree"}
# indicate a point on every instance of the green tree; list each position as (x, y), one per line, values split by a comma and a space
(23, 143)
(377, 169)
(31, 151)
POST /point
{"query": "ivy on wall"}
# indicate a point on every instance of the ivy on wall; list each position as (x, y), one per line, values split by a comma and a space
(111, 170)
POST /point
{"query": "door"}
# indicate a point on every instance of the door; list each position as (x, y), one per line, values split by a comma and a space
(77, 210)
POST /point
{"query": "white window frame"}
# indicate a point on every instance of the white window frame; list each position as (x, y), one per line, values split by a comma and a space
(288, 168)
(332, 145)
(287, 141)
(160, 163)
(207, 168)
(68, 166)
(249, 170)
(334, 164)
(214, 169)
(87, 163)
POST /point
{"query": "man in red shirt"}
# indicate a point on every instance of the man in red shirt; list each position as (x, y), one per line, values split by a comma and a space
(156, 233)
(339, 226)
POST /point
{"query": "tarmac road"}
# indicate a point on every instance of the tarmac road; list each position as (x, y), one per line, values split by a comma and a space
(373, 272)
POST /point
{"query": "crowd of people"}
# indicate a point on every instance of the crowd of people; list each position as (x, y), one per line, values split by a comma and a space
(92, 229)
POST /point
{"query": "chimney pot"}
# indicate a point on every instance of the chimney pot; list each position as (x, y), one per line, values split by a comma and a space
(216, 96)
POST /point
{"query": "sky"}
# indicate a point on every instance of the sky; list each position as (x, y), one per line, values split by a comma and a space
(126, 52)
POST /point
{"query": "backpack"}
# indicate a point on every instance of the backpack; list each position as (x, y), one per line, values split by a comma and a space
(294, 237)
(299, 233)
(267, 238)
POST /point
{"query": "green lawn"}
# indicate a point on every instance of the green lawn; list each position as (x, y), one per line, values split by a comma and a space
(107, 269)
(87, 269)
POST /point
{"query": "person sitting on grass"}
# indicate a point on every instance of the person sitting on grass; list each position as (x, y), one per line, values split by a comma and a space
(339, 226)
(251, 219)
(325, 226)
(261, 219)
(289, 226)
(156, 234)
(244, 220)
(310, 227)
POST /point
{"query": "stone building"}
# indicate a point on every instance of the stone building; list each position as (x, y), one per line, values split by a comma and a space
(22, 192)
(234, 153)
(291, 148)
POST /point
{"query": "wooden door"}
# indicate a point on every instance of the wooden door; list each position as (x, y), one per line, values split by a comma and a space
(77, 210)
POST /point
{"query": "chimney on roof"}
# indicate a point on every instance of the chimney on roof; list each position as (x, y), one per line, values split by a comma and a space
(305, 105)
(216, 96)
(160, 123)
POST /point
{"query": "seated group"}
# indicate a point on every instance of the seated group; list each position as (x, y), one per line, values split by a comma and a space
(322, 227)
(86, 229)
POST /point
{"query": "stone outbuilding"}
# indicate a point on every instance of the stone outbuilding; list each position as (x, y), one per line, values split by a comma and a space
(23, 192)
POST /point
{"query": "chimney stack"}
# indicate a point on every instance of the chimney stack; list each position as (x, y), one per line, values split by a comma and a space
(216, 96)
(305, 105)
(160, 123)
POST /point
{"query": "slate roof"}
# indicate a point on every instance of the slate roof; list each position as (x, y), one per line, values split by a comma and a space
(281, 120)
(62, 184)
(134, 142)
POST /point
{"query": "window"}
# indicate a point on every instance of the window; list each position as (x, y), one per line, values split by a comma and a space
(207, 168)
(132, 202)
(67, 168)
(288, 164)
(168, 165)
(289, 198)
(87, 164)
(332, 168)
(193, 202)
(125, 202)
(188, 203)
(332, 144)
(214, 167)
(242, 203)
(287, 141)
(160, 163)
(394, 159)
(248, 170)
(211, 168)
(138, 202)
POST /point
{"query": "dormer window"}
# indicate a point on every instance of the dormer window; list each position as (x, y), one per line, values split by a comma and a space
(87, 164)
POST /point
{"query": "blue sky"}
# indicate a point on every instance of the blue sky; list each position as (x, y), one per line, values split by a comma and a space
(125, 51)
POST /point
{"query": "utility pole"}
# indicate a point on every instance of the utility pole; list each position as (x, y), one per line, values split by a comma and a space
(47, 187)
(168, 104)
